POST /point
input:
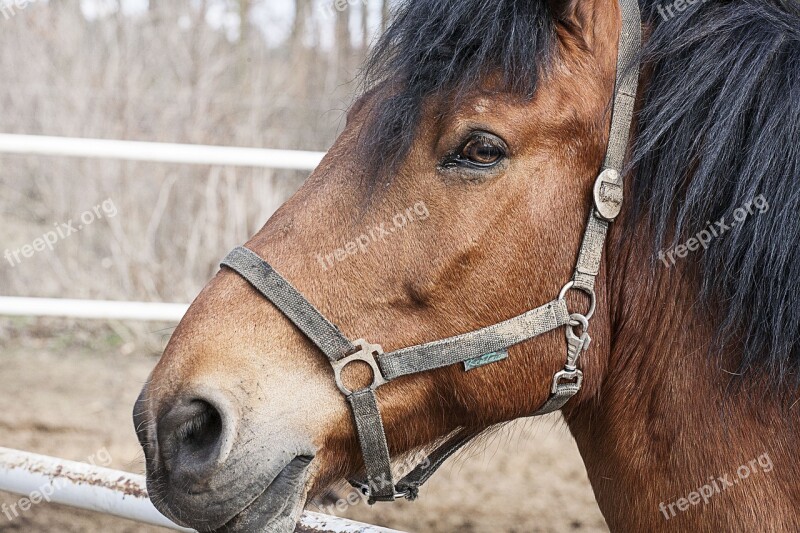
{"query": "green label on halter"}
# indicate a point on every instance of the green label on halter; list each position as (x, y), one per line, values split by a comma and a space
(483, 360)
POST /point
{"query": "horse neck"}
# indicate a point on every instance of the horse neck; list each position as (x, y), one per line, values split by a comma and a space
(663, 420)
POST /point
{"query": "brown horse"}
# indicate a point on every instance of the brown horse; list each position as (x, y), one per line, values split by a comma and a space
(456, 198)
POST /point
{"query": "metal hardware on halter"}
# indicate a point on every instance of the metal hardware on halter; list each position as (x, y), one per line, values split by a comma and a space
(366, 354)
(608, 194)
(409, 494)
(567, 376)
(575, 347)
(587, 291)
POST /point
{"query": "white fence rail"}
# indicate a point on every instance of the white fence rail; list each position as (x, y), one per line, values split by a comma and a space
(135, 151)
(92, 309)
(190, 154)
(39, 478)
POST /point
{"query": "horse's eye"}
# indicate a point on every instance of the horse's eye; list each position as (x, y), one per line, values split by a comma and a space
(483, 151)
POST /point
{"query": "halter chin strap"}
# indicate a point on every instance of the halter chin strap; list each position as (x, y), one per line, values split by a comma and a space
(477, 348)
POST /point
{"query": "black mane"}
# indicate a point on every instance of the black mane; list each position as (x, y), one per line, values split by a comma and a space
(719, 126)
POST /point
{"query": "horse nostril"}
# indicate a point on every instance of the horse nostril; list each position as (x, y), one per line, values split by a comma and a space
(203, 430)
(190, 438)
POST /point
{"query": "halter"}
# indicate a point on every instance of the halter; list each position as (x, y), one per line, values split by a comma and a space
(480, 347)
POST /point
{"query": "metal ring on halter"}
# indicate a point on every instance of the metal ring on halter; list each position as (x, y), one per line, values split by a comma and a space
(366, 354)
(590, 292)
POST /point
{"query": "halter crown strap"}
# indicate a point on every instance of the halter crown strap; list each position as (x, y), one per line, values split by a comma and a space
(476, 348)
(608, 190)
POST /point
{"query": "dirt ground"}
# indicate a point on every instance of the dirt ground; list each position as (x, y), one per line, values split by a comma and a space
(69, 392)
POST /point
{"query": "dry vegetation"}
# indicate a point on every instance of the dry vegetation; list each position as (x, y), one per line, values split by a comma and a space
(176, 72)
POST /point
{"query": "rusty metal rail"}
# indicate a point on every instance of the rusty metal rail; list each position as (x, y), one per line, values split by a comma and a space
(41, 479)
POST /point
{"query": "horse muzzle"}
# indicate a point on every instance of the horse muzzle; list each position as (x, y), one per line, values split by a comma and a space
(206, 470)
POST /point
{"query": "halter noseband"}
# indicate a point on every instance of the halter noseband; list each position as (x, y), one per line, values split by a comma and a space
(477, 348)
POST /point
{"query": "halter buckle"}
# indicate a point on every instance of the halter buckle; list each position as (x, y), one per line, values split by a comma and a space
(410, 494)
(573, 376)
(366, 353)
(608, 194)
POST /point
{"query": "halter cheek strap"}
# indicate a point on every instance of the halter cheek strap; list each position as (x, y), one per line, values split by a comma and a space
(476, 348)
